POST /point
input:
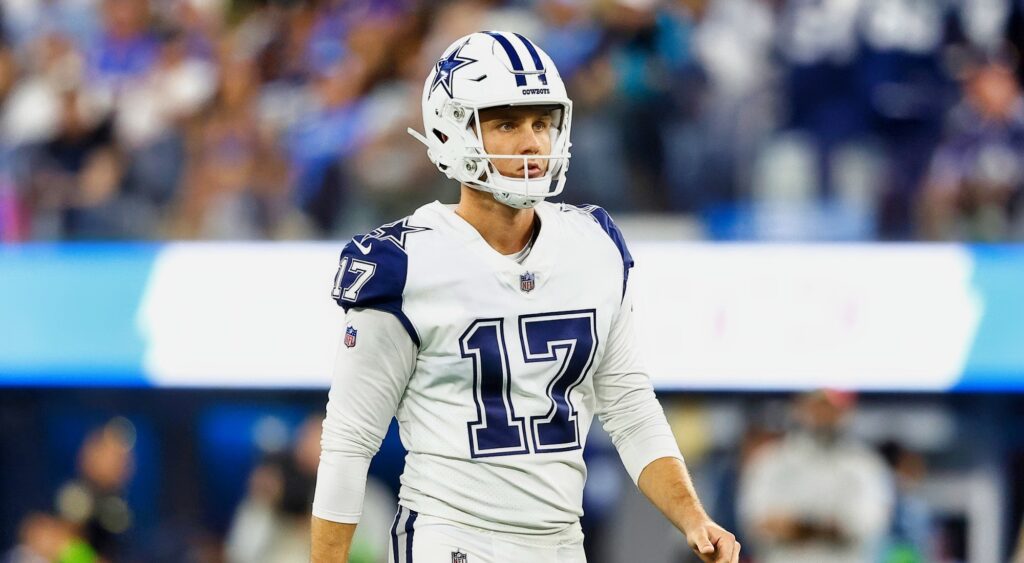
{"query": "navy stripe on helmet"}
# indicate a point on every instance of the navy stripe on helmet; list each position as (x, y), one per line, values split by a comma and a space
(409, 532)
(535, 56)
(513, 56)
(394, 536)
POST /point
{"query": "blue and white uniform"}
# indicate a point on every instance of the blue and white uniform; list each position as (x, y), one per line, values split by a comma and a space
(494, 369)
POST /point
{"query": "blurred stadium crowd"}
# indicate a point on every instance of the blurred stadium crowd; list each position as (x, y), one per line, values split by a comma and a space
(213, 477)
(278, 119)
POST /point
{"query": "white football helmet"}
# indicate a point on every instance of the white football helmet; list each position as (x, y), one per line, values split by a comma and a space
(492, 69)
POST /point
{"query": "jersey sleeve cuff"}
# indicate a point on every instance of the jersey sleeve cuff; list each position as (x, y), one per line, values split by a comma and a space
(639, 453)
(337, 517)
(340, 488)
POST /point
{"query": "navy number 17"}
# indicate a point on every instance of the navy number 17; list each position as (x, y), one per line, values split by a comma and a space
(568, 340)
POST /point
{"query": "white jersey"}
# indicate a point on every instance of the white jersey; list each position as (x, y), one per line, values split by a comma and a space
(493, 368)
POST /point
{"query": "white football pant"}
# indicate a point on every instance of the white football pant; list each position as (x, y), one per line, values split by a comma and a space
(417, 538)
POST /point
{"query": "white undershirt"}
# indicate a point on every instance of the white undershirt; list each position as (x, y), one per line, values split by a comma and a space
(518, 257)
(522, 254)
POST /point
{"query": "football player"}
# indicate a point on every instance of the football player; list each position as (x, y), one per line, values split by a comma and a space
(494, 331)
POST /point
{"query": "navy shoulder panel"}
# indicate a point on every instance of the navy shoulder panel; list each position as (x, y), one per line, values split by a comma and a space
(372, 272)
(612, 230)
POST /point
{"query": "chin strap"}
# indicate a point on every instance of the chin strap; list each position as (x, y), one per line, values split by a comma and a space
(515, 200)
(506, 198)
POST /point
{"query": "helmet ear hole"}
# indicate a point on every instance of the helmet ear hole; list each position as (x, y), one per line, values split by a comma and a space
(440, 136)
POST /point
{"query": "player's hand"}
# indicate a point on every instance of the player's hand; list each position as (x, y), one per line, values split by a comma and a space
(713, 543)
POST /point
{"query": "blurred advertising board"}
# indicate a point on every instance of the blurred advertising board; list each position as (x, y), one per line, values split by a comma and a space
(709, 316)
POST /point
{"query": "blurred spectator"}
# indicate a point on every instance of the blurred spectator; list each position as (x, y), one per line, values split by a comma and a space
(271, 524)
(153, 111)
(27, 21)
(765, 426)
(818, 495)
(818, 41)
(76, 176)
(93, 503)
(734, 42)
(910, 535)
(31, 109)
(334, 129)
(906, 92)
(45, 539)
(1018, 553)
(125, 50)
(235, 183)
(657, 82)
(570, 36)
(1015, 35)
(973, 190)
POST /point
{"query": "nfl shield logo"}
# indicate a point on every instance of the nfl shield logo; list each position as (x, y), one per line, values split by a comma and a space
(527, 282)
(350, 337)
(458, 557)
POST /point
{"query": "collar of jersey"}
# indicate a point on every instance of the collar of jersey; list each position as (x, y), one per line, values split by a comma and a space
(542, 256)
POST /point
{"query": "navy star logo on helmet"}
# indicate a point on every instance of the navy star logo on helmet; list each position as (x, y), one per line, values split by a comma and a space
(444, 70)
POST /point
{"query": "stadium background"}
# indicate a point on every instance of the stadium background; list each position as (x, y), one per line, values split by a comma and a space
(700, 124)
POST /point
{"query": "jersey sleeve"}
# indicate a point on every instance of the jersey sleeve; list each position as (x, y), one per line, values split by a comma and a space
(612, 230)
(371, 371)
(372, 275)
(626, 404)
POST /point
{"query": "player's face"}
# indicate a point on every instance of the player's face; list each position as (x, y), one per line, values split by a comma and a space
(524, 130)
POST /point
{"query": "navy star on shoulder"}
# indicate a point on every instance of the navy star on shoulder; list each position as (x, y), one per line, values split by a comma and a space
(372, 271)
(444, 70)
(395, 232)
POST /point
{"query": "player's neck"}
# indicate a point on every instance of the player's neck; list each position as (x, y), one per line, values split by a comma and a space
(505, 229)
